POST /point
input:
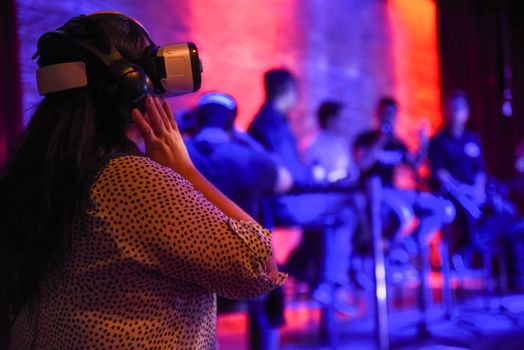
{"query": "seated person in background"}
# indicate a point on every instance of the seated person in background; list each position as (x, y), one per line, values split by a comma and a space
(329, 154)
(310, 211)
(271, 127)
(330, 160)
(379, 153)
(244, 173)
(458, 167)
(455, 153)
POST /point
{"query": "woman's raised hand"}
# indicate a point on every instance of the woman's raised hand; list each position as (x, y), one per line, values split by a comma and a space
(163, 141)
(164, 145)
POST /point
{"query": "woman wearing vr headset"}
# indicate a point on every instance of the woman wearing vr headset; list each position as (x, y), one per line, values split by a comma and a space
(103, 246)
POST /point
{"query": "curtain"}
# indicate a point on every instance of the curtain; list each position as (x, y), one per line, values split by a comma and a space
(10, 87)
(481, 50)
(10, 112)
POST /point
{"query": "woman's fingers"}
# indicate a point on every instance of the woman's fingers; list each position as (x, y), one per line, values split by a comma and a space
(143, 125)
(158, 120)
(163, 115)
(155, 119)
(170, 117)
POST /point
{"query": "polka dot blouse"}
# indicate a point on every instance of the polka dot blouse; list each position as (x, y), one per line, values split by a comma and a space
(147, 261)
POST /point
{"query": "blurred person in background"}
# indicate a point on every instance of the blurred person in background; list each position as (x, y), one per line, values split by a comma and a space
(457, 164)
(271, 127)
(311, 210)
(330, 161)
(458, 167)
(379, 153)
(329, 154)
(245, 173)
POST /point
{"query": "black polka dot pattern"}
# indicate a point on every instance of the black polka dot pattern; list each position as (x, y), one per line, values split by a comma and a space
(146, 262)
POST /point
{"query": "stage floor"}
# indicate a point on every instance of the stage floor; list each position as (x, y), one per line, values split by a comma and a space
(474, 324)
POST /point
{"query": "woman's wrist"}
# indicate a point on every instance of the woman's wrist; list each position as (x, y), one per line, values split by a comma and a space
(186, 169)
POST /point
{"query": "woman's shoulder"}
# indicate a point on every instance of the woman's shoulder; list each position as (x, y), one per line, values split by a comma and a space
(134, 163)
(132, 171)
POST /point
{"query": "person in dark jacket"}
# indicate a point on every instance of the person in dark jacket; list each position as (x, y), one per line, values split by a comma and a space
(245, 172)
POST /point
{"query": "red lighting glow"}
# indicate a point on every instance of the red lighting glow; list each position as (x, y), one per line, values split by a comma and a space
(239, 41)
(415, 62)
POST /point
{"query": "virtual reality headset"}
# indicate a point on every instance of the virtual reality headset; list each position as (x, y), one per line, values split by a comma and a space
(175, 69)
(168, 70)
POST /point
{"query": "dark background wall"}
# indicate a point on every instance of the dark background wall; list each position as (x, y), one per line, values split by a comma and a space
(10, 93)
(481, 47)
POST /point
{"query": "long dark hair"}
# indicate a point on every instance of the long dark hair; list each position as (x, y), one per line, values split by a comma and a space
(45, 184)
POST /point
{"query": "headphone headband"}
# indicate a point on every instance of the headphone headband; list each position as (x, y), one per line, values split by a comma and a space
(137, 22)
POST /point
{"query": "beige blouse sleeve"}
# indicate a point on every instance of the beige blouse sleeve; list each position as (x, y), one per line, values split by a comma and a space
(158, 219)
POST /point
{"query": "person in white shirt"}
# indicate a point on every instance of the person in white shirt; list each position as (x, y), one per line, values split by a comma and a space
(329, 155)
(330, 160)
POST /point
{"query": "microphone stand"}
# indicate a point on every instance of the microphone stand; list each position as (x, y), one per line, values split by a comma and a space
(374, 190)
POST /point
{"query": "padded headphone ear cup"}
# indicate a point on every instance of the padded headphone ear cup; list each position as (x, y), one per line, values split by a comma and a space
(128, 87)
